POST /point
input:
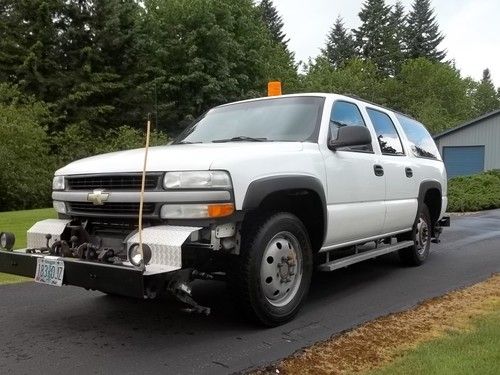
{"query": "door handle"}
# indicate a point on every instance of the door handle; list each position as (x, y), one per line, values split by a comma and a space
(409, 172)
(378, 169)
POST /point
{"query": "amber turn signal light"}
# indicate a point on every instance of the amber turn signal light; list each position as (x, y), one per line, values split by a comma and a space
(220, 210)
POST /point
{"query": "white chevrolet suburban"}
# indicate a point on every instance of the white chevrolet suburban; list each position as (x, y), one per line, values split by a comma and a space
(257, 193)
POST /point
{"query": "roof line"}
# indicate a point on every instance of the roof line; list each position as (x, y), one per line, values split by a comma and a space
(468, 123)
(354, 96)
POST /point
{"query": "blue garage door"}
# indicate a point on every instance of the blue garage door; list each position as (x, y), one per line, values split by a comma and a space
(463, 160)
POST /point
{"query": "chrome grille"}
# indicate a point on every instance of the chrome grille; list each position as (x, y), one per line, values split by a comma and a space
(116, 182)
(114, 209)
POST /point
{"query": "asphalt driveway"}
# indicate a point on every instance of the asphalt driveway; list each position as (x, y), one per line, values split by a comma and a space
(48, 330)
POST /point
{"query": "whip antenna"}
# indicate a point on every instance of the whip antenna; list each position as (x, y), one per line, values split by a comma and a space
(143, 184)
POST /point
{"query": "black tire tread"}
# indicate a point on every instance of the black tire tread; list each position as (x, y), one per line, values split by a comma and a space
(409, 255)
(240, 276)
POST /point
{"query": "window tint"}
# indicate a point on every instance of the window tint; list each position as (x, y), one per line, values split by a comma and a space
(346, 114)
(387, 135)
(422, 144)
(294, 119)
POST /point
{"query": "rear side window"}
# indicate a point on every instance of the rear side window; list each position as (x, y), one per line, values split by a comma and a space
(421, 142)
(387, 135)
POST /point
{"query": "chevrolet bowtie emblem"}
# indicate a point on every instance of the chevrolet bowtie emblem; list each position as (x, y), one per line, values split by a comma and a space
(98, 197)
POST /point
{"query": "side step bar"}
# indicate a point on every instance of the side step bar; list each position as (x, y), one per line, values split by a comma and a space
(356, 258)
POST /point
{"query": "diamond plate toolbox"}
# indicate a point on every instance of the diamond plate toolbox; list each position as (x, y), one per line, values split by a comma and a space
(165, 242)
(36, 234)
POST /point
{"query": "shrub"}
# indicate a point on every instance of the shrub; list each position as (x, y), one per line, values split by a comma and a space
(25, 164)
(29, 157)
(79, 141)
(474, 193)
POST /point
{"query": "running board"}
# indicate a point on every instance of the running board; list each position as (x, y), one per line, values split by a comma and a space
(356, 258)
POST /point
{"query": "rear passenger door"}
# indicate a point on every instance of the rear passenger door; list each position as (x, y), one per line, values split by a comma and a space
(401, 189)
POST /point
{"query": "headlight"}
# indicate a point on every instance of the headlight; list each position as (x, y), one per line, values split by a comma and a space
(7, 240)
(196, 211)
(58, 183)
(60, 207)
(135, 256)
(197, 179)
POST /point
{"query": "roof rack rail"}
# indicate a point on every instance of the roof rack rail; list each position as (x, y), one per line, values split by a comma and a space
(354, 96)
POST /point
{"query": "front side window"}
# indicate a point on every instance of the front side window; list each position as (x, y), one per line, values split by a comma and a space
(421, 142)
(346, 114)
(387, 135)
(292, 119)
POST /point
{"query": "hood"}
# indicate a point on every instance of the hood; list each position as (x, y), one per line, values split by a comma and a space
(175, 157)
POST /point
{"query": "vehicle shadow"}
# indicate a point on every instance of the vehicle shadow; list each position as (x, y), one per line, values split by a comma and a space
(162, 322)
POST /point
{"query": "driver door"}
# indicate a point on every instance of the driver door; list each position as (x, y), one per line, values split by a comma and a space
(356, 189)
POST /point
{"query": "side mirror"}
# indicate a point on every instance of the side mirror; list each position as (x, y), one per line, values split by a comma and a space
(350, 136)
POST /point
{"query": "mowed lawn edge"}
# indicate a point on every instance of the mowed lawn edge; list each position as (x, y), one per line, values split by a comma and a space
(397, 343)
(18, 222)
(473, 350)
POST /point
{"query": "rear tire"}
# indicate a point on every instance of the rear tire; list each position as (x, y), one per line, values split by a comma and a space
(421, 236)
(273, 271)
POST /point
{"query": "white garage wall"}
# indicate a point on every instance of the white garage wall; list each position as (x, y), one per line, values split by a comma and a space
(485, 132)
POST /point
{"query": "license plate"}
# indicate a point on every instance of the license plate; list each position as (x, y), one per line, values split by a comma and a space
(49, 270)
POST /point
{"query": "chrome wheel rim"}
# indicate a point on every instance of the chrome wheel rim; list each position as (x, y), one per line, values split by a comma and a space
(422, 236)
(281, 269)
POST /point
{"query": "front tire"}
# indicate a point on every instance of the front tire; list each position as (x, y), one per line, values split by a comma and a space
(418, 253)
(274, 268)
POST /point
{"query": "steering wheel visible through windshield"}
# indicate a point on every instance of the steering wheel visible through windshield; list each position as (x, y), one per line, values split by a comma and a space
(287, 119)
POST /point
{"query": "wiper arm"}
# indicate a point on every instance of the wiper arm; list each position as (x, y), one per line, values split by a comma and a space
(241, 138)
(339, 123)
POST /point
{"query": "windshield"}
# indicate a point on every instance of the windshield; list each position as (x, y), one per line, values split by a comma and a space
(291, 119)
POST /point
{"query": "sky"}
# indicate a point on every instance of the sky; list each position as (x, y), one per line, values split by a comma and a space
(471, 29)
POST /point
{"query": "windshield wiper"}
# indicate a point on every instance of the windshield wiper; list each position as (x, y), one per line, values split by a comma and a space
(241, 138)
(186, 143)
(338, 123)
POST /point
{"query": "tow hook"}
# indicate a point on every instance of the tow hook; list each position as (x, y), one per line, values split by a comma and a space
(179, 287)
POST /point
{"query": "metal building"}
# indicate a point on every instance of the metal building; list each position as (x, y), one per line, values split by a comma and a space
(472, 147)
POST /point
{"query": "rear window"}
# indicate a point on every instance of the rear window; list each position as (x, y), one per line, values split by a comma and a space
(421, 142)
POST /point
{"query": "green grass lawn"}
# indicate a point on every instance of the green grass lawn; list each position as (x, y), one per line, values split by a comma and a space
(474, 352)
(18, 222)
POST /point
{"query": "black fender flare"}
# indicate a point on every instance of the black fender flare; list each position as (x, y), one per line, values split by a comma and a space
(425, 186)
(259, 189)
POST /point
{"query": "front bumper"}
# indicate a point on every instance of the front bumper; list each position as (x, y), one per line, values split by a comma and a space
(108, 278)
(93, 273)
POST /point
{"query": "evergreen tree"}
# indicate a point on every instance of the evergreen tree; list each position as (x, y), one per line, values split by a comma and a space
(340, 45)
(30, 54)
(374, 38)
(101, 48)
(398, 26)
(486, 98)
(273, 21)
(422, 35)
